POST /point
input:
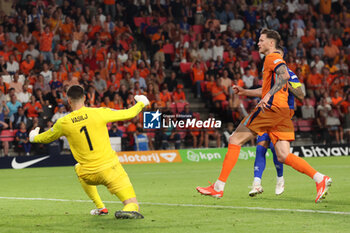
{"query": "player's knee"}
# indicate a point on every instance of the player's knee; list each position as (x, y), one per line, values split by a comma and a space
(233, 139)
(281, 159)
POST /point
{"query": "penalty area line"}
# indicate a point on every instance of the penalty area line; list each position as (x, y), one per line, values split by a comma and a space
(189, 205)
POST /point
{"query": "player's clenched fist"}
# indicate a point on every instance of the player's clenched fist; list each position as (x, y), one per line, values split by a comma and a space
(142, 98)
(33, 133)
(238, 90)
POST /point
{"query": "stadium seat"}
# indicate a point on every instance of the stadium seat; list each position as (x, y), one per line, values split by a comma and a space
(313, 102)
(173, 108)
(162, 20)
(139, 20)
(8, 135)
(185, 67)
(305, 125)
(244, 64)
(196, 115)
(149, 20)
(187, 38)
(180, 106)
(295, 124)
(168, 49)
(225, 55)
(255, 56)
(198, 29)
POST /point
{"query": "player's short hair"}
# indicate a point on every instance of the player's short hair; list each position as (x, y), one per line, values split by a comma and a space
(272, 34)
(75, 92)
(280, 48)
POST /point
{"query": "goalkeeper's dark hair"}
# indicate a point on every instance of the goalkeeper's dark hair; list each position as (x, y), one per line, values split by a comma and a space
(75, 92)
(272, 34)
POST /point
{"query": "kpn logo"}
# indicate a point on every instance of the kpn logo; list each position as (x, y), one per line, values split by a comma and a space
(151, 120)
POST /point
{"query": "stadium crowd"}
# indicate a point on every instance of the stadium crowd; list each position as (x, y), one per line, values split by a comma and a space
(118, 49)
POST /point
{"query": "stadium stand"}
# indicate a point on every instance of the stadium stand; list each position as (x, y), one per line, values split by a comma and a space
(136, 46)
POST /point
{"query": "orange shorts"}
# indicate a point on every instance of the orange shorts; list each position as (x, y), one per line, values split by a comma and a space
(277, 124)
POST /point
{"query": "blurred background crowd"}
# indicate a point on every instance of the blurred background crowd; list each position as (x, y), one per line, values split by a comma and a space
(183, 55)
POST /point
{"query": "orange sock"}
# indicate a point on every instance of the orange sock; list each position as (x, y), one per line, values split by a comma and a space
(230, 160)
(300, 165)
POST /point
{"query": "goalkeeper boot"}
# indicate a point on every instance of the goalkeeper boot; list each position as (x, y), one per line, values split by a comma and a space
(128, 215)
(101, 211)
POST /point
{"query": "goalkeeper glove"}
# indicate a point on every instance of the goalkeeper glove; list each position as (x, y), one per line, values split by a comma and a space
(33, 133)
(142, 98)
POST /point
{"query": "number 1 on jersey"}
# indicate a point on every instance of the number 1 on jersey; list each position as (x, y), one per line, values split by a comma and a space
(87, 136)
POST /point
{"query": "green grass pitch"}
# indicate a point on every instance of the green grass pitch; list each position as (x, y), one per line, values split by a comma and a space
(163, 188)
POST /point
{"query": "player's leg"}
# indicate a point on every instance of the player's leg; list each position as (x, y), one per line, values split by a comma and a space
(92, 193)
(279, 168)
(118, 183)
(238, 138)
(283, 154)
(259, 164)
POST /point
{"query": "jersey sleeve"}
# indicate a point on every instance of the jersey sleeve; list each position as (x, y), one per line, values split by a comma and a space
(274, 61)
(50, 135)
(112, 115)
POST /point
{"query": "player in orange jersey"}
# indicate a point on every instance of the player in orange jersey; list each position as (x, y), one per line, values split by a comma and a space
(273, 116)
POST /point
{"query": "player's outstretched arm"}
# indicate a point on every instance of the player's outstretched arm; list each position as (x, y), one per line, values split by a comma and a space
(297, 92)
(247, 92)
(46, 137)
(110, 115)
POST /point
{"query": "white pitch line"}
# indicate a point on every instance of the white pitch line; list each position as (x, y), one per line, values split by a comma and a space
(190, 205)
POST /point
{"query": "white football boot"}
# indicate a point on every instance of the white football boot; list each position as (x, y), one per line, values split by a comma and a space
(279, 186)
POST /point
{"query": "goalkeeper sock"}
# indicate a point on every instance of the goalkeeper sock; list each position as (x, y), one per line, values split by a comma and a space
(131, 207)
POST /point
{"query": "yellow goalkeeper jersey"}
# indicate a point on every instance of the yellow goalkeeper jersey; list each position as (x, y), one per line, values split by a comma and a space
(87, 135)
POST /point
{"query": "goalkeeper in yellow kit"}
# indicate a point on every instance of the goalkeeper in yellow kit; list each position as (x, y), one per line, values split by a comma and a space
(87, 134)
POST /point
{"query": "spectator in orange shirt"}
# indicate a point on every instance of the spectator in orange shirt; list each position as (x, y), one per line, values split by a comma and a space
(219, 94)
(45, 42)
(107, 103)
(198, 76)
(105, 36)
(164, 95)
(337, 100)
(331, 50)
(179, 94)
(67, 28)
(21, 45)
(337, 41)
(33, 108)
(314, 83)
(27, 65)
(118, 102)
(143, 70)
(308, 40)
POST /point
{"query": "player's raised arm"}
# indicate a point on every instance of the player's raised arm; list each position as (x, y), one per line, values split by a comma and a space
(48, 136)
(110, 115)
